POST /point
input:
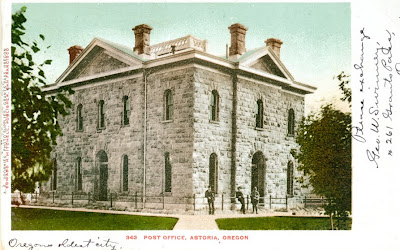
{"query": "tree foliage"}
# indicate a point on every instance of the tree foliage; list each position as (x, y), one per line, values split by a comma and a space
(34, 115)
(344, 86)
(325, 157)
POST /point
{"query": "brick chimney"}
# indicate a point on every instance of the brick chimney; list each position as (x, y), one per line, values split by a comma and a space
(275, 45)
(142, 39)
(238, 43)
(74, 52)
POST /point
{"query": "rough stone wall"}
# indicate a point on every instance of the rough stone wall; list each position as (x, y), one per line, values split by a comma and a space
(271, 140)
(190, 137)
(174, 136)
(210, 136)
(215, 137)
(115, 139)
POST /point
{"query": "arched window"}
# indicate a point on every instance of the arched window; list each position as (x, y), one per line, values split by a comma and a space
(168, 173)
(101, 115)
(213, 172)
(102, 165)
(54, 176)
(290, 178)
(125, 173)
(214, 106)
(168, 105)
(79, 174)
(79, 118)
(291, 122)
(259, 114)
(126, 112)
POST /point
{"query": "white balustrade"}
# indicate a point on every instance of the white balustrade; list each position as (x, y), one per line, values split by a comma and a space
(182, 43)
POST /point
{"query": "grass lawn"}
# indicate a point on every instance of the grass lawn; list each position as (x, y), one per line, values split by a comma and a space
(277, 223)
(46, 219)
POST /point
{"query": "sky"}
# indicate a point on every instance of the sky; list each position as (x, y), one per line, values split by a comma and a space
(316, 36)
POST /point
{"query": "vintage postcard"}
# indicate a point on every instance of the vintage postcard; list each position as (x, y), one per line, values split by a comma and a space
(190, 125)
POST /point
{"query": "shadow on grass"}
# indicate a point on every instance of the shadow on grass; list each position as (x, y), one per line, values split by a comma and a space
(278, 223)
(46, 219)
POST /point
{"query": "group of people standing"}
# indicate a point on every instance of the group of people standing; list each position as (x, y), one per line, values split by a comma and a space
(255, 197)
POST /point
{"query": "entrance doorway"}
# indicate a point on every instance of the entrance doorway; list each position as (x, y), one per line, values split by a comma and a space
(258, 174)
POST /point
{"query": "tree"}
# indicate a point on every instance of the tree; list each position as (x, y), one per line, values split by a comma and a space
(344, 86)
(34, 115)
(325, 157)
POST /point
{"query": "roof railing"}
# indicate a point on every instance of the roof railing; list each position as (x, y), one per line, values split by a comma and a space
(173, 46)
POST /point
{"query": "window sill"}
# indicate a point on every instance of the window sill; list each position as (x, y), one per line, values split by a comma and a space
(79, 130)
(259, 129)
(290, 135)
(100, 129)
(214, 122)
(125, 125)
(167, 121)
(167, 194)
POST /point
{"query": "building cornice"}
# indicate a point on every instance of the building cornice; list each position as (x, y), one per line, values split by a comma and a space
(184, 57)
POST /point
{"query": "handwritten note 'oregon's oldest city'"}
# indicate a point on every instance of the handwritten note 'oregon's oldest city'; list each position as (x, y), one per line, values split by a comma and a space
(378, 70)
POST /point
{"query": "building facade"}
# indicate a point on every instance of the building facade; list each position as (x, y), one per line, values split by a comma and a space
(169, 120)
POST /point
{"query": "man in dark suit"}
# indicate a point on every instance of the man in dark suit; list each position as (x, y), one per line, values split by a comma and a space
(210, 198)
(240, 197)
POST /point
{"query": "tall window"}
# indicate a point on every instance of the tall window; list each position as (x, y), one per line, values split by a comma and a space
(102, 122)
(79, 118)
(125, 173)
(168, 103)
(291, 122)
(259, 114)
(126, 112)
(213, 172)
(214, 106)
(54, 176)
(102, 165)
(168, 173)
(290, 178)
(79, 174)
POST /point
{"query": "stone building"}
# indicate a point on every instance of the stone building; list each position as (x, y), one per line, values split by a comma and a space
(168, 120)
